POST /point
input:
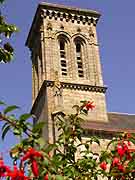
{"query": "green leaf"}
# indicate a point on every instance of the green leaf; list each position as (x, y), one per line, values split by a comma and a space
(7, 46)
(2, 103)
(87, 146)
(85, 111)
(46, 163)
(24, 117)
(1, 1)
(131, 165)
(132, 140)
(58, 177)
(6, 129)
(8, 178)
(12, 117)
(84, 101)
(108, 160)
(95, 139)
(104, 156)
(14, 152)
(111, 142)
(5, 124)
(76, 107)
(10, 108)
(38, 127)
(50, 148)
(41, 141)
(17, 132)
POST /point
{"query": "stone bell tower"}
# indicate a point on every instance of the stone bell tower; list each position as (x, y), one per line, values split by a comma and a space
(65, 63)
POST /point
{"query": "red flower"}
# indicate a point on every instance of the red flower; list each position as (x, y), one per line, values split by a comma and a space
(90, 105)
(120, 150)
(121, 168)
(115, 161)
(34, 167)
(125, 148)
(129, 143)
(123, 177)
(103, 165)
(17, 174)
(46, 177)
(129, 135)
(3, 168)
(129, 156)
(31, 154)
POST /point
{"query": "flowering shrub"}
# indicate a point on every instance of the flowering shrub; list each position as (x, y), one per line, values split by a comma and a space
(33, 158)
(118, 161)
(6, 30)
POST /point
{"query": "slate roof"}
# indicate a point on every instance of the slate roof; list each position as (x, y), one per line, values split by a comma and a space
(117, 122)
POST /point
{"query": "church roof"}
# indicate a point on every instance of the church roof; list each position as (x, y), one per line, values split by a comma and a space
(69, 9)
(117, 122)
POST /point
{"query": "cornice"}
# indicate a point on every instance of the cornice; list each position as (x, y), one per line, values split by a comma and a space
(65, 85)
(69, 16)
(77, 86)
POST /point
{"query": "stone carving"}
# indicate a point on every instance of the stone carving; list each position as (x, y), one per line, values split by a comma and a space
(49, 26)
(78, 29)
(61, 26)
(57, 88)
(91, 33)
(41, 29)
(49, 30)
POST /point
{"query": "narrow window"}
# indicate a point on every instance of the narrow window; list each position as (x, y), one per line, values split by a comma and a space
(62, 45)
(78, 47)
(63, 62)
(79, 59)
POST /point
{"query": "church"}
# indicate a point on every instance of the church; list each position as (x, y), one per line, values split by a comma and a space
(66, 69)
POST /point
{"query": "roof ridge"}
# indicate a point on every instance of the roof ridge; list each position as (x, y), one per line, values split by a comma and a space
(61, 5)
(121, 113)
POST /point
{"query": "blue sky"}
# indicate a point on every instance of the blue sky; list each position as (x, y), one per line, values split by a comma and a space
(116, 32)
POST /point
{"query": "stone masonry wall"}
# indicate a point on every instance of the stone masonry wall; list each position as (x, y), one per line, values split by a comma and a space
(44, 44)
(72, 97)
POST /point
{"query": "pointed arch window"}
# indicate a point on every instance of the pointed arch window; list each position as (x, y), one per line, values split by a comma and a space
(63, 61)
(79, 61)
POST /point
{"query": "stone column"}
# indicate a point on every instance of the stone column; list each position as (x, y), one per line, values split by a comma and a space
(33, 84)
(42, 51)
